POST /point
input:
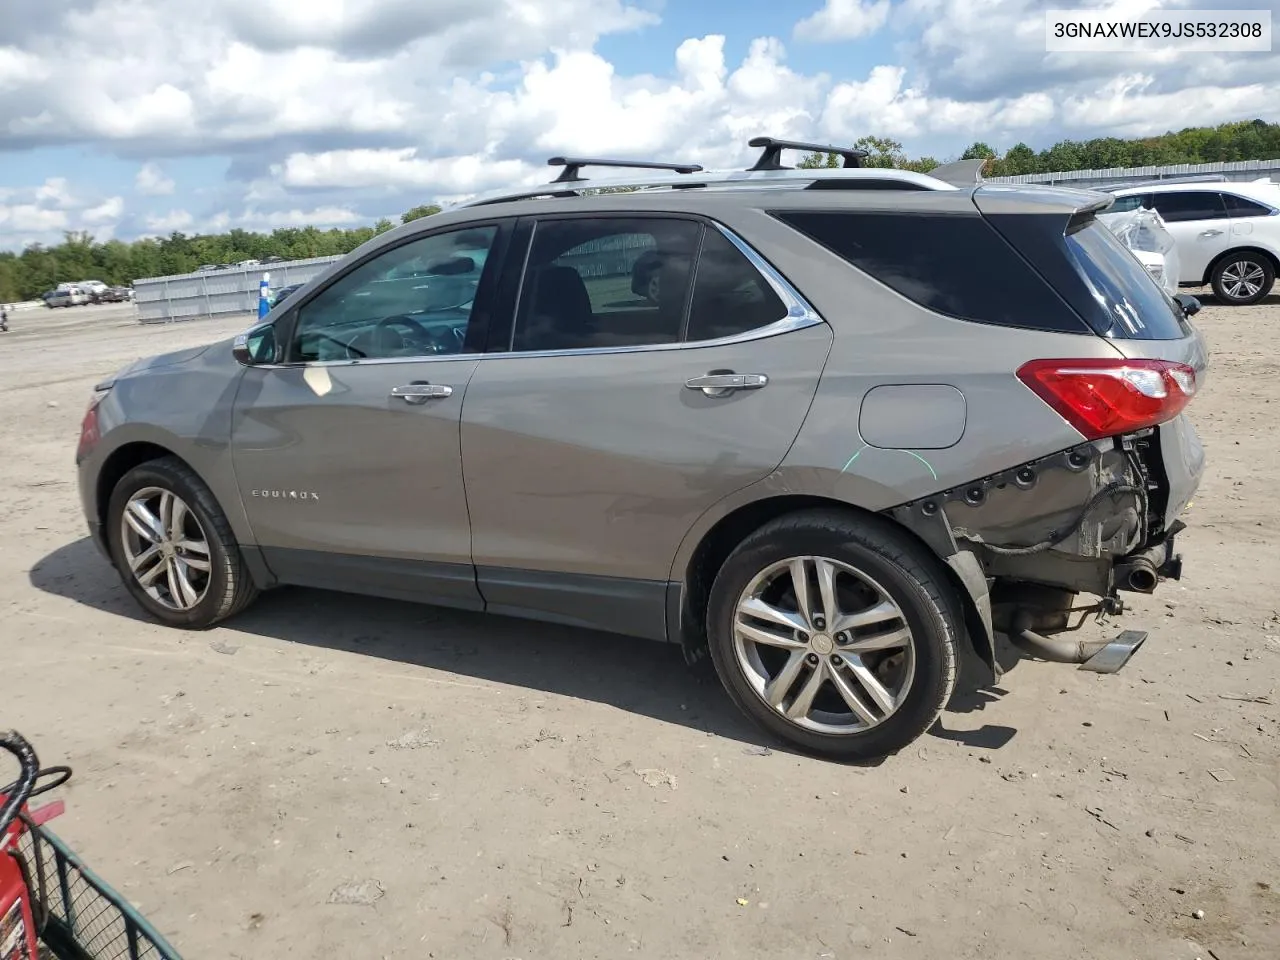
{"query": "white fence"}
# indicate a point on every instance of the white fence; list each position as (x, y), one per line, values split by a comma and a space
(215, 293)
(1239, 170)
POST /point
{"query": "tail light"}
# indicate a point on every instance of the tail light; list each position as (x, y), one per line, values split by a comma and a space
(1103, 398)
(89, 433)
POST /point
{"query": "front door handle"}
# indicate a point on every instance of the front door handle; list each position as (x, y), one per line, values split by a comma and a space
(723, 384)
(1210, 233)
(422, 392)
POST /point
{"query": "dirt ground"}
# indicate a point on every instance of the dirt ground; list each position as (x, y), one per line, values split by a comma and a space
(333, 776)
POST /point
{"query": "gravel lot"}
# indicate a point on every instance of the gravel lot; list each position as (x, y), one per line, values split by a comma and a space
(333, 776)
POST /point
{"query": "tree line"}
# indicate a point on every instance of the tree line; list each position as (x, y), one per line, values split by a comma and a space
(1228, 142)
(79, 257)
(39, 268)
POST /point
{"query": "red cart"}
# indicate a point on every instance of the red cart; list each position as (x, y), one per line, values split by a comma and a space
(51, 904)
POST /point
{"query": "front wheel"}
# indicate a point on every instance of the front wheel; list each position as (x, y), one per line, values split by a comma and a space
(174, 548)
(835, 633)
(1240, 279)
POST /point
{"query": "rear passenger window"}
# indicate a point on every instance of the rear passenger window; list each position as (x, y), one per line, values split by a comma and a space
(953, 264)
(1190, 205)
(1240, 207)
(730, 296)
(605, 282)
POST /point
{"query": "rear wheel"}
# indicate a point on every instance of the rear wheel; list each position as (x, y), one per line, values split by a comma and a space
(835, 633)
(1240, 279)
(174, 548)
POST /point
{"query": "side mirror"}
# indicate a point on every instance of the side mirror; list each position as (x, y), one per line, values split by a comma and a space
(1190, 305)
(255, 346)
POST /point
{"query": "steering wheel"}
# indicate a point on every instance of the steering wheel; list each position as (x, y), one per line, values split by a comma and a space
(385, 327)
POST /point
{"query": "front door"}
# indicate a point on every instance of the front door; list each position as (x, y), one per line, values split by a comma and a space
(612, 419)
(347, 453)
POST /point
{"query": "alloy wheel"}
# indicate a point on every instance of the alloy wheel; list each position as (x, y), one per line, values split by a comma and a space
(166, 548)
(1243, 279)
(824, 645)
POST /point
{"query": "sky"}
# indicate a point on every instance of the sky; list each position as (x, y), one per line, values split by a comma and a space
(128, 118)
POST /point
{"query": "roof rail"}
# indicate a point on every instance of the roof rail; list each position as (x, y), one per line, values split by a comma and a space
(771, 154)
(865, 178)
(573, 165)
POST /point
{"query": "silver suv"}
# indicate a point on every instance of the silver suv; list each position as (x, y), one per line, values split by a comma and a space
(825, 426)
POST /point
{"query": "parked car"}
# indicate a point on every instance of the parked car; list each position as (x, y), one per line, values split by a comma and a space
(117, 294)
(1144, 232)
(830, 453)
(1228, 234)
(70, 297)
(279, 296)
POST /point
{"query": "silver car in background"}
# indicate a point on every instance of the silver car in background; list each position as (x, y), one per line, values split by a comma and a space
(824, 426)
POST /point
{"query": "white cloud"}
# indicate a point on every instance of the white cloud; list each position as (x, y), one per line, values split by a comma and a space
(397, 168)
(171, 221)
(317, 216)
(54, 192)
(843, 20)
(344, 109)
(30, 218)
(108, 211)
(152, 182)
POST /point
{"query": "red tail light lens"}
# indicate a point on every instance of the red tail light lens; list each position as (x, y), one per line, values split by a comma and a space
(89, 433)
(1103, 398)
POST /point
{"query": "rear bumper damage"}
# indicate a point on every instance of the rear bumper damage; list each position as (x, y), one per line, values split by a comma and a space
(1024, 542)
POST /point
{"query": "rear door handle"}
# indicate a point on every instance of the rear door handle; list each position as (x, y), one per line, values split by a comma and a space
(1210, 233)
(723, 384)
(422, 392)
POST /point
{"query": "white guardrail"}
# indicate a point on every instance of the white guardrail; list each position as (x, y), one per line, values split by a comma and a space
(214, 293)
(1236, 170)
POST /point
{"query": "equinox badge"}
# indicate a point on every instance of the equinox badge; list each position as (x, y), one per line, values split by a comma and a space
(285, 494)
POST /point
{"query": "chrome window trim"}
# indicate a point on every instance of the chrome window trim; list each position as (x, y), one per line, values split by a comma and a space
(800, 314)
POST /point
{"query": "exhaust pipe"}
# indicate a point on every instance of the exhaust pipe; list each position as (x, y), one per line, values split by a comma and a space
(1100, 656)
(1141, 572)
(1139, 576)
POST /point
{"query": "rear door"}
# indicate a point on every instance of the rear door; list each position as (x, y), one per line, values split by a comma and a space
(655, 366)
(1198, 221)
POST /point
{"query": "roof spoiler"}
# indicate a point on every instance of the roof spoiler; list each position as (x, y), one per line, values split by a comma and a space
(959, 173)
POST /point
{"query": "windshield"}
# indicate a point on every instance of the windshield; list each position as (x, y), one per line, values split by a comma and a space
(1136, 305)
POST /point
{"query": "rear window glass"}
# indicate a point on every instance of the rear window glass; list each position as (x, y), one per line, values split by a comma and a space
(1240, 207)
(956, 265)
(1137, 306)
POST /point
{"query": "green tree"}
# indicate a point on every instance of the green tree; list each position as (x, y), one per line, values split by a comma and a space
(978, 151)
(423, 210)
(819, 161)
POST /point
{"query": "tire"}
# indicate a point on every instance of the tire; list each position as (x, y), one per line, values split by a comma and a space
(204, 596)
(1242, 278)
(876, 569)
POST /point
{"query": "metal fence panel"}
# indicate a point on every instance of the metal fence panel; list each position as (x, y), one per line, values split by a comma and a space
(1241, 170)
(217, 292)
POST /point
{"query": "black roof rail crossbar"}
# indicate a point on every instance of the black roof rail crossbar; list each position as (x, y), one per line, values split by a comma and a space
(572, 166)
(771, 155)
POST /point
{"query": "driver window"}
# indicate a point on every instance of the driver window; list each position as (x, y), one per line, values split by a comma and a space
(413, 300)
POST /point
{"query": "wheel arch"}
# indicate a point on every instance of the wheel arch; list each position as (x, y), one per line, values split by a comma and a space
(120, 461)
(687, 606)
(1235, 252)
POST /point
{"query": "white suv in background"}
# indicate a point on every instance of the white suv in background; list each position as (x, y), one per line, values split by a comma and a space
(1228, 234)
